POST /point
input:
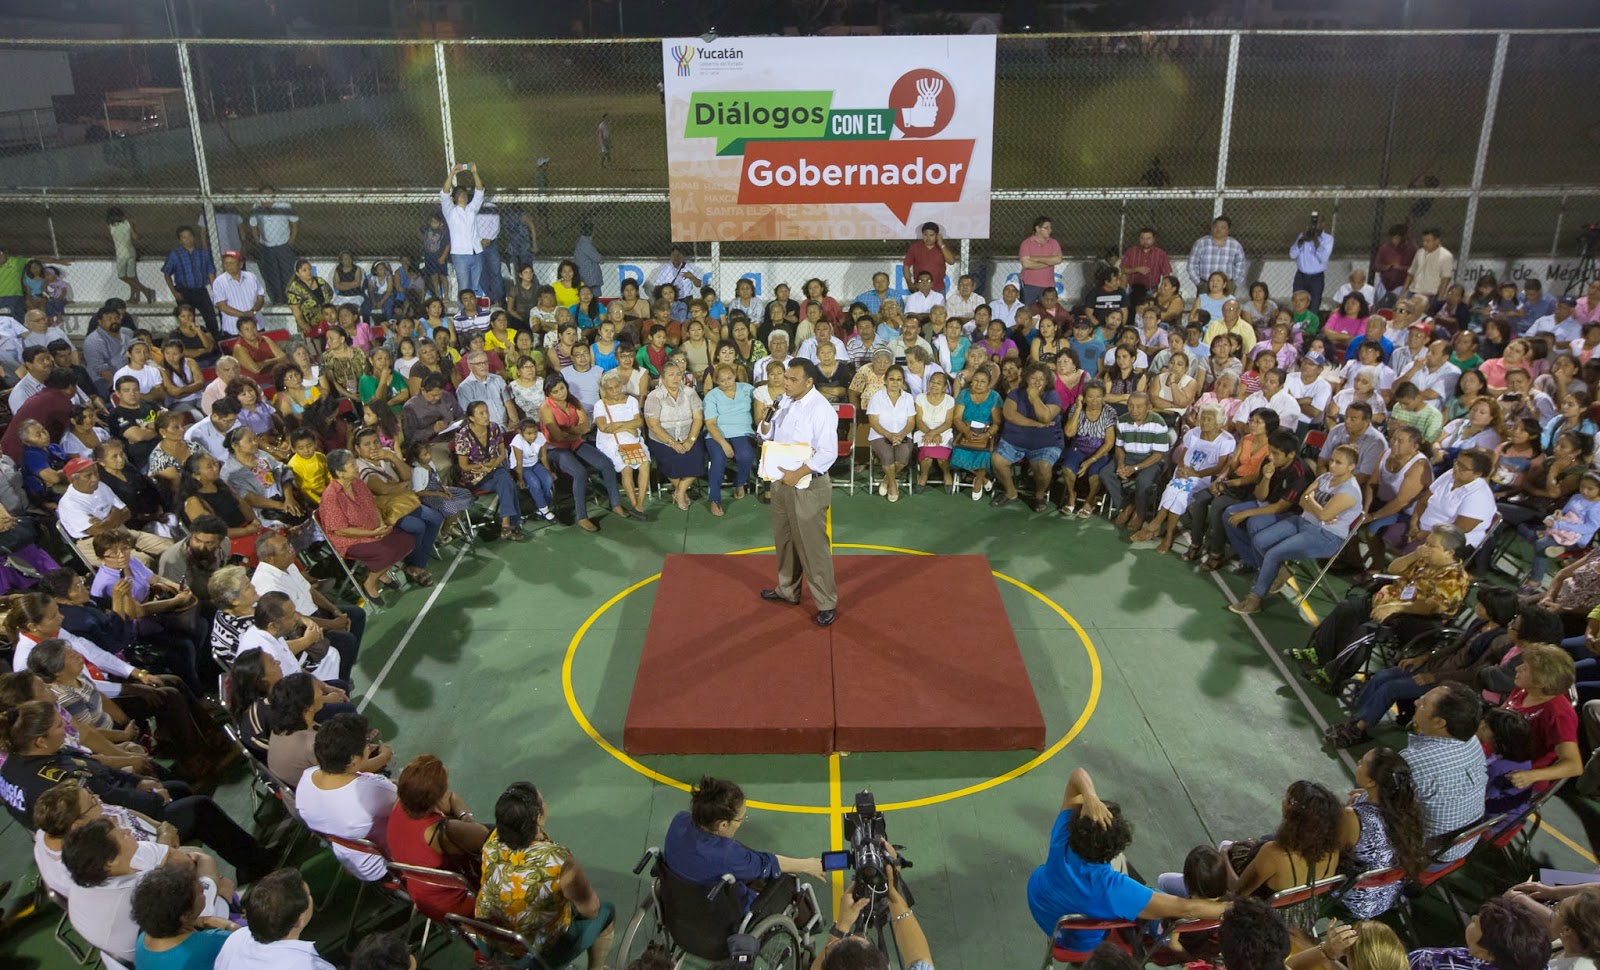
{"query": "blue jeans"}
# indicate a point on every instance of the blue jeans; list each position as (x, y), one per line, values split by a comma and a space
(536, 479)
(1541, 562)
(1031, 293)
(571, 463)
(1312, 283)
(424, 524)
(1386, 688)
(467, 272)
(1241, 537)
(505, 489)
(1588, 673)
(744, 457)
(1288, 540)
(489, 273)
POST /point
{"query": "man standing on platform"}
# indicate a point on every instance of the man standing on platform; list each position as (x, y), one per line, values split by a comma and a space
(799, 512)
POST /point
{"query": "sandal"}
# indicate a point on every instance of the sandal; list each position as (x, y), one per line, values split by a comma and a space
(420, 577)
(1194, 553)
(681, 501)
(716, 509)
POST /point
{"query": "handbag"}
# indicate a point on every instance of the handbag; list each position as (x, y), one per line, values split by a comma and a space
(632, 453)
(396, 505)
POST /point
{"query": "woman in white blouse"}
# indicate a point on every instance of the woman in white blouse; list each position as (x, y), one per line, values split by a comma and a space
(891, 416)
(936, 419)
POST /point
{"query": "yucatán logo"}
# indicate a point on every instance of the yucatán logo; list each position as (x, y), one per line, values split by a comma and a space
(686, 54)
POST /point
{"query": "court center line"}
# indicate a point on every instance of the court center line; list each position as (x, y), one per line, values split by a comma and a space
(416, 621)
(836, 825)
(1344, 755)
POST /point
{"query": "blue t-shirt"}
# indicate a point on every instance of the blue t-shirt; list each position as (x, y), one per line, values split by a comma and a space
(1066, 885)
(702, 858)
(197, 952)
(1030, 438)
(733, 415)
(1090, 353)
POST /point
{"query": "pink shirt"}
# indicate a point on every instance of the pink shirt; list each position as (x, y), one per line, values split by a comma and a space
(1584, 313)
(1339, 323)
(1049, 249)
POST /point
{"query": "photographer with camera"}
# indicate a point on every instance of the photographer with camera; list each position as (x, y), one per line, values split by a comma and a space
(700, 847)
(1310, 253)
(848, 950)
(1084, 871)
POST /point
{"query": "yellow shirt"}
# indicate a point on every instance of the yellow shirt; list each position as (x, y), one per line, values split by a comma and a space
(311, 474)
(565, 295)
(492, 341)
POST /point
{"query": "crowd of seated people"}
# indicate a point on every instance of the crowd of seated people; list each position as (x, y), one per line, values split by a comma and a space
(191, 475)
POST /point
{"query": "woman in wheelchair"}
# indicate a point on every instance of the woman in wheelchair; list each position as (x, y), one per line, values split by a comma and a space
(535, 887)
(700, 847)
(1483, 644)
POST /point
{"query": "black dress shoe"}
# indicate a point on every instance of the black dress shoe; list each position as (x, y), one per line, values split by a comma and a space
(824, 618)
(773, 596)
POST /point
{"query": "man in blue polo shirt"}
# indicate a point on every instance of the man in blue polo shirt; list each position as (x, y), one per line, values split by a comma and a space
(700, 846)
(1079, 876)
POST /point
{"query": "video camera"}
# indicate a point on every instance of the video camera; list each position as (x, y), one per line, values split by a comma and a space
(868, 859)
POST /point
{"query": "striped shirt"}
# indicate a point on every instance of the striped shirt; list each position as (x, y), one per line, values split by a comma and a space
(1138, 440)
(1428, 421)
(190, 269)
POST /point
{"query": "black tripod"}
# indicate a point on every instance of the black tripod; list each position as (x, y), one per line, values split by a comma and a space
(1586, 262)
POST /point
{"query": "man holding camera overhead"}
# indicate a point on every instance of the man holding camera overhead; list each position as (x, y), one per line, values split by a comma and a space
(1310, 253)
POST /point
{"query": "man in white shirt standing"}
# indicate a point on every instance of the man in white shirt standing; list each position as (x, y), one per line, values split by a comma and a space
(278, 909)
(1431, 268)
(236, 293)
(460, 210)
(684, 276)
(275, 228)
(799, 514)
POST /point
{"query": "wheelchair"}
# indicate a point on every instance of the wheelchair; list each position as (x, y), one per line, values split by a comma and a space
(1376, 646)
(682, 920)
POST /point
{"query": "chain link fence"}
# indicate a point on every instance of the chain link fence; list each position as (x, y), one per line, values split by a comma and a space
(1105, 133)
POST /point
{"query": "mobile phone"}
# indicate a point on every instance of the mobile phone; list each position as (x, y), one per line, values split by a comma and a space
(835, 861)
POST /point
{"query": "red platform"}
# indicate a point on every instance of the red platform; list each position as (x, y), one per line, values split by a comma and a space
(922, 658)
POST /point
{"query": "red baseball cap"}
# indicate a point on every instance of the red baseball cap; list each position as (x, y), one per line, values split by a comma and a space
(234, 253)
(78, 464)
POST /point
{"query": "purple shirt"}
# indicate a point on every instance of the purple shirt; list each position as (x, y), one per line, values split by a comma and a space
(105, 578)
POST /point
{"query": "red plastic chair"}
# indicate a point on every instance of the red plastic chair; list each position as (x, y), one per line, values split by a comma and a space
(424, 877)
(1056, 953)
(847, 446)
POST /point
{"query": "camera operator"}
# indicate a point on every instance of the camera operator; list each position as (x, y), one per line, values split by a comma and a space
(847, 950)
(1310, 253)
(1083, 872)
(700, 847)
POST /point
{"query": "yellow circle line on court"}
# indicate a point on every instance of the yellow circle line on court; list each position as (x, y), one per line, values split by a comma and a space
(1017, 772)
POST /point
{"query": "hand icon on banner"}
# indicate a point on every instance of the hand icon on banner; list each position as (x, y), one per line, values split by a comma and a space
(925, 113)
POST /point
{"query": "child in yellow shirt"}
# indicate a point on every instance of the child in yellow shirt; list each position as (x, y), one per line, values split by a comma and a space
(309, 465)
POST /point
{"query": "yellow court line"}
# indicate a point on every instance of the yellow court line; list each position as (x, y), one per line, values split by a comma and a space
(1082, 721)
(836, 826)
(828, 524)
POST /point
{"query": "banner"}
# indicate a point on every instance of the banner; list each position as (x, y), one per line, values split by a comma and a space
(792, 138)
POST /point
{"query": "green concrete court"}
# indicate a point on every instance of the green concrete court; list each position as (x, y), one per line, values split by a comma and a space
(1193, 727)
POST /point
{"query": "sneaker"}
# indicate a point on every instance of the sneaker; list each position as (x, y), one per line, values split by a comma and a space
(546, 514)
(1242, 568)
